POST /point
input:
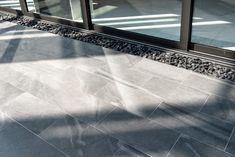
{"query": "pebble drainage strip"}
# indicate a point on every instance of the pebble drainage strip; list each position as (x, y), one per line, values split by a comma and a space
(165, 56)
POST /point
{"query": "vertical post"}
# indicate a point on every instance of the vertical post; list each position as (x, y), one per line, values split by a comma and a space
(186, 24)
(86, 14)
(24, 7)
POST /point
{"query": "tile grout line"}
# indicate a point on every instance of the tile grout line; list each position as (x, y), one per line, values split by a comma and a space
(101, 120)
(233, 131)
(148, 117)
(204, 104)
(174, 145)
(210, 145)
(35, 134)
(107, 134)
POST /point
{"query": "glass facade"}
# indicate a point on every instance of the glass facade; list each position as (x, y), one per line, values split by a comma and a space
(159, 18)
(68, 9)
(212, 31)
(215, 23)
(13, 4)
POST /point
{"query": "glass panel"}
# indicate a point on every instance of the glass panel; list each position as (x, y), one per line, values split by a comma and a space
(160, 18)
(13, 4)
(69, 9)
(214, 23)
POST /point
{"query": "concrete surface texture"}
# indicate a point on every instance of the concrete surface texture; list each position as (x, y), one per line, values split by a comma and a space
(62, 97)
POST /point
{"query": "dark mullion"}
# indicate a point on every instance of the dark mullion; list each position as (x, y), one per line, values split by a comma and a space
(186, 24)
(86, 14)
(23, 5)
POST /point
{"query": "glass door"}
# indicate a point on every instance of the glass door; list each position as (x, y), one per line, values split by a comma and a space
(158, 18)
(214, 23)
(68, 9)
(12, 4)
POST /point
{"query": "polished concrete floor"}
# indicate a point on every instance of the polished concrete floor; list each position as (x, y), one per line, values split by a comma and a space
(62, 97)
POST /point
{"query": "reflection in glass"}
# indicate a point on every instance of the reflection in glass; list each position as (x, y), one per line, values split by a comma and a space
(160, 18)
(69, 9)
(13, 4)
(216, 26)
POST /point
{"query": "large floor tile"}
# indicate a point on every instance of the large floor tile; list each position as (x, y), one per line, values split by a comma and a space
(31, 80)
(17, 141)
(85, 107)
(129, 152)
(211, 85)
(188, 147)
(208, 130)
(110, 56)
(148, 137)
(161, 86)
(187, 98)
(126, 74)
(20, 45)
(87, 82)
(78, 139)
(31, 112)
(129, 98)
(161, 69)
(28, 38)
(84, 48)
(220, 107)
(47, 81)
(8, 92)
(82, 63)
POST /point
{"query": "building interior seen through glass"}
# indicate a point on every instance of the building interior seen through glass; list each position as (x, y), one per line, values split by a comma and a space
(216, 26)
(69, 9)
(160, 18)
(213, 20)
(13, 4)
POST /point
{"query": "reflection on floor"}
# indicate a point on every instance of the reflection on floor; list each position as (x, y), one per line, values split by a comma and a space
(62, 97)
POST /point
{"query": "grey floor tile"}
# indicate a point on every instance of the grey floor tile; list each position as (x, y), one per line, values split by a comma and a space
(88, 49)
(7, 24)
(161, 69)
(31, 80)
(160, 86)
(129, 152)
(87, 82)
(124, 73)
(26, 38)
(211, 85)
(208, 130)
(85, 107)
(78, 139)
(220, 107)
(8, 92)
(31, 112)
(187, 98)
(129, 98)
(17, 141)
(46, 82)
(148, 137)
(82, 63)
(15, 53)
(188, 147)
(110, 56)
(231, 145)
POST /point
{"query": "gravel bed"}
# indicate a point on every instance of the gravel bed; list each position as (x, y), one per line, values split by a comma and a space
(165, 56)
